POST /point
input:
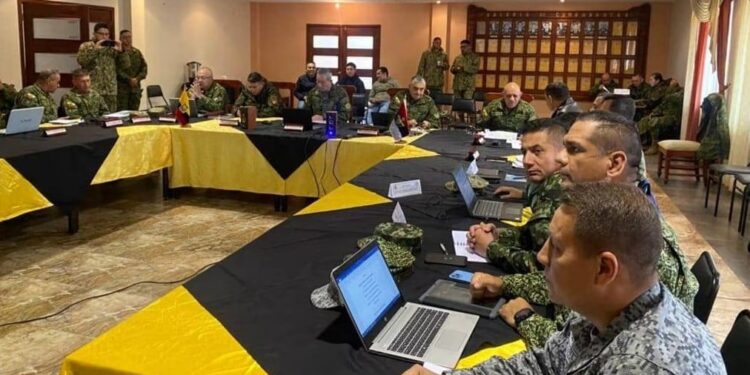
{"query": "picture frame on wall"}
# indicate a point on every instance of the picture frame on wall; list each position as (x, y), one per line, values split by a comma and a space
(533, 28)
(520, 28)
(575, 29)
(546, 28)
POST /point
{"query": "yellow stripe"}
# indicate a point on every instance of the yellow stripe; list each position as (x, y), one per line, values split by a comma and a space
(139, 150)
(345, 196)
(410, 152)
(503, 351)
(17, 195)
(173, 335)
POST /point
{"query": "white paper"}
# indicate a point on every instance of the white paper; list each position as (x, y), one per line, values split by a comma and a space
(395, 132)
(121, 114)
(518, 163)
(57, 28)
(472, 169)
(500, 135)
(434, 368)
(461, 246)
(66, 122)
(514, 178)
(405, 189)
(622, 92)
(398, 214)
(515, 144)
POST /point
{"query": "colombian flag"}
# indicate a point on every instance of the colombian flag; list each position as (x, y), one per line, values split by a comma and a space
(403, 113)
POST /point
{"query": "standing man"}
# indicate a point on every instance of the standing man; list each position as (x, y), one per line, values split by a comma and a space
(352, 79)
(464, 67)
(40, 94)
(509, 112)
(99, 57)
(305, 83)
(261, 95)
(82, 101)
(327, 97)
(131, 70)
(421, 107)
(7, 99)
(432, 66)
(209, 95)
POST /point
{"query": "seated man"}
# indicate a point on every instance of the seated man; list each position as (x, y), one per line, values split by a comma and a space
(260, 94)
(606, 85)
(626, 321)
(210, 96)
(379, 99)
(509, 112)
(40, 94)
(421, 108)
(352, 79)
(327, 97)
(83, 101)
(600, 146)
(514, 249)
(7, 99)
(305, 83)
(665, 119)
(558, 99)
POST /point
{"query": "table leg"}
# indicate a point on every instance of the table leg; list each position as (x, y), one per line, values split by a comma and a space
(72, 220)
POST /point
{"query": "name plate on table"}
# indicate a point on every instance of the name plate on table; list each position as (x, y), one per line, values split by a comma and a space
(139, 120)
(363, 131)
(167, 119)
(294, 128)
(54, 132)
(111, 123)
(228, 121)
(405, 189)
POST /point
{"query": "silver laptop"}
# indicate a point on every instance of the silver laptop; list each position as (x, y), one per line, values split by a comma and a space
(389, 325)
(175, 102)
(484, 208)
(23, 120)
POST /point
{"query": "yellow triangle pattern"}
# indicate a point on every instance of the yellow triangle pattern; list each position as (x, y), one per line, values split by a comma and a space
(17, 195)
(344, 197)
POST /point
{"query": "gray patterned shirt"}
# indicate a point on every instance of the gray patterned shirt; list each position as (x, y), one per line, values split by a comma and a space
(655, 334)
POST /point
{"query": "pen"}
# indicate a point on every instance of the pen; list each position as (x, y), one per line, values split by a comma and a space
(443, 248)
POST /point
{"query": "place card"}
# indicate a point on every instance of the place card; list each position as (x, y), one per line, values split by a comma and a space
(405, 189)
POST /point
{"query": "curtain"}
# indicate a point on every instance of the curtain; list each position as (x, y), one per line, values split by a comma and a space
(695, 92)
(719, 57)
(739, 92)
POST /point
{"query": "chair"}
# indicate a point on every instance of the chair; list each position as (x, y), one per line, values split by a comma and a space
(443, 99)
(708, 286)
(464, 107)
(678, 151)
(154, 91)
(736, 346)
(359, 102)
(716, 173)
(492, 96)
(289, 86)
(479, 96)
(234, 89)
(393, 91)
(745, 180)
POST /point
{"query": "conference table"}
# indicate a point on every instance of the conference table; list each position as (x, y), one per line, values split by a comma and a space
(251, 312)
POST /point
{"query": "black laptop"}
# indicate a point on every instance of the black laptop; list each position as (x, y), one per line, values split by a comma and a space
(297, 119)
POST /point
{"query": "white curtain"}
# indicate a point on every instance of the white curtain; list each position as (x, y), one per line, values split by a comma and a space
(739, 78)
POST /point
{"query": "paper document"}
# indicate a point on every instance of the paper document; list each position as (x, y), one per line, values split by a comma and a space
(514, 178)
(461, 247)
(500, 134)
(515, 144)
(66, 121)
(121, 114)
(405, 189)
(269, 119)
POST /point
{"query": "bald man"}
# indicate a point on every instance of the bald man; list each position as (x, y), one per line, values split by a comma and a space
(210, 96)
(509, 112)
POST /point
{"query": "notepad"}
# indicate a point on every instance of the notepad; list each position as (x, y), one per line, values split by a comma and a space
(461, 247)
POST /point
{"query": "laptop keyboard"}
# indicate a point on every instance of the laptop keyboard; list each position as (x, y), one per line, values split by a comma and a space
(418, 333)
(485, 208)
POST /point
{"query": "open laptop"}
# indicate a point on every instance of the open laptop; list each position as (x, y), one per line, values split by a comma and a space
(389, 325)
(382, 120)
(297, 119)
(483, 208)
(175, 102)
(23, 120)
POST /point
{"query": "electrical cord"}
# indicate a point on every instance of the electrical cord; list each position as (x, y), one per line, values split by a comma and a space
(104, 295)
(307, 160)
(335, 158)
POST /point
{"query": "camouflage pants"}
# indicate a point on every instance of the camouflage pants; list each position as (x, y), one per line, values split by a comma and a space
(111, 101)
(128, 99)
(464, 94)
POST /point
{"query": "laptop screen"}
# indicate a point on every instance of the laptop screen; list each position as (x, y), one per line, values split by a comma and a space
(464, 186)
(368, 289)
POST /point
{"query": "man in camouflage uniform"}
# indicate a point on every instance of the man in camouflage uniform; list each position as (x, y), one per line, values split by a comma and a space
(665, 118)
(82, 101)
(209, 95)
(509, 112)
(131, 70)
(379, 99)
(514, 249)
(656, 91)
(606, 85)
(599, 146)
(40, 94)
(7, 99)
(432, 66)
(101, 62)
(626, 321)
(464, 67)
(327, 97)
(638, 88)
(260, 94)
(421, 108)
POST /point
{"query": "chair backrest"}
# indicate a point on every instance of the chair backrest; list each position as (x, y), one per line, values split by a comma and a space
(286, 86)
(233, 87)
(443, 99)
(154, 91)
(359, 102)
(463, 106)
(350, 90)
(736, 348)
(708, 286)
(395, 90)
(479, 96)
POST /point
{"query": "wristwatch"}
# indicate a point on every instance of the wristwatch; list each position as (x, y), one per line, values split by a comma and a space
(522, 315)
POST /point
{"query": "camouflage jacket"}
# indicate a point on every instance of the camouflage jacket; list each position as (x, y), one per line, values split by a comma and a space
(335, 100)
(713, 132)
(668, 114)
(7, 100)
(655, 94)
(214, 99)
(101, 64)
(87, 106)
(464, 78)
(638, 92)
(268, 102)
(34, 96)
(496, 116)
(594, 91)
(673, 272)
(379, 91)
(655, 334)
(428, 67)
(423, 109)
(131, 64)
(516, 248)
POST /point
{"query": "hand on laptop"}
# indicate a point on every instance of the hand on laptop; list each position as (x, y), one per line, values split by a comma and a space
(418, 370)
(480, 236)
(318, 119)
(507, 192)
(484, 285)
(508, 310)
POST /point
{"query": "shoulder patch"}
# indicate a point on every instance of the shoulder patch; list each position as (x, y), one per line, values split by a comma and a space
(30, 96)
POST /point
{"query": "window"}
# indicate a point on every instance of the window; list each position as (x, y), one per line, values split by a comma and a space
(333, 46)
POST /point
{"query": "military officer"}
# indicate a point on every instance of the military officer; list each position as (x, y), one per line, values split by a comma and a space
(259, 93)
(432, 66)
(83, 101)
(421, 108)
(40, 94)
(666, 117)
(99, 57)
(209, 95)
(464, 67)
(638, 88)
(606, 85)
(509, 112)
(131, 70)
(657, 89)
(7, 99)
(327, 97)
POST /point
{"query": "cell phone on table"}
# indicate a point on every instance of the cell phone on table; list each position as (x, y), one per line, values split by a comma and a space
(440, 258)
(463, 276)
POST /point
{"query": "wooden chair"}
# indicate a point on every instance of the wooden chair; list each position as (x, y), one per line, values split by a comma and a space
(683, 153)
(234, 88)
(288, 86)
(392, 92)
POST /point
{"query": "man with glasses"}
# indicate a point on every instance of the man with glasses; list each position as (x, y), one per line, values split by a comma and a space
(209, 95)
(99, 57)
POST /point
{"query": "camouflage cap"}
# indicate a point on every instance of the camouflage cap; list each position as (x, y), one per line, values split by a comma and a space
(325, 297)
(477, 183)
(156, 111)
(398, 257)
(407, 235)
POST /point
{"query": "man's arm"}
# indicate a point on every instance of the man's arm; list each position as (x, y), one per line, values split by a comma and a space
(297, 94)
(530, 286)
(121, 66)
(87, 55)
(214, 100)
(70, 107)
(473, 65)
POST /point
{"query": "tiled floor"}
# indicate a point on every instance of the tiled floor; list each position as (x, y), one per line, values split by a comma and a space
(130, 234)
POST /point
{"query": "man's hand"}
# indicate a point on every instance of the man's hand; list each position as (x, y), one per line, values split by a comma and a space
(480, 236)
(425, 124)
(134, 82)
(196, 91)
(509, 309)
(411, 122)
(418, 370)
(118, 46)
(507, 192)
(484, 285)
(98, 45)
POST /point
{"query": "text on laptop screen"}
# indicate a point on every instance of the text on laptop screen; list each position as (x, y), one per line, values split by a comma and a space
(368, 289)
(463, 185)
